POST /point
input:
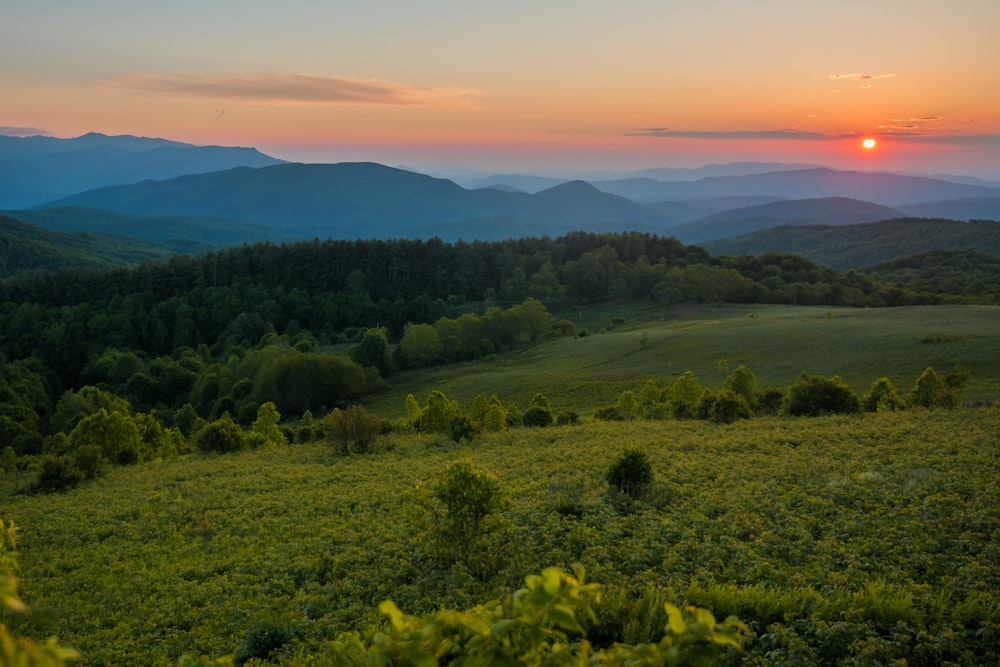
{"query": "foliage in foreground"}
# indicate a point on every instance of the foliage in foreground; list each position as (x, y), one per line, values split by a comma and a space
(20, 651)
(539, 624)
(839, 540)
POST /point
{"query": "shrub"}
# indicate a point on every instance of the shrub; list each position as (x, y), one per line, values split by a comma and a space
(222, 436)
(815, 395)
(261, 641)
(631, 474)
(352, 430)
(58, 473)
(882, 397)
(266, 425)
(469, 496)
(537, 415)
(461, 428)
(727, 407)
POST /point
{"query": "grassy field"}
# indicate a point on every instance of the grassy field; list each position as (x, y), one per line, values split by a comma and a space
(869, 537)
(775, 342)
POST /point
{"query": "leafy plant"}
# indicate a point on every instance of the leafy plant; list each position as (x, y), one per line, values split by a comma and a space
(351, 430)
(814, 395)
(539, 624)
(631, 474)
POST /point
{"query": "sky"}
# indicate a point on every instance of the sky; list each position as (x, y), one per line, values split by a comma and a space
(534, 87)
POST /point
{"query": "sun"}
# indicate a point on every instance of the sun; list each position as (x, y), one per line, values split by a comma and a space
(868, 143)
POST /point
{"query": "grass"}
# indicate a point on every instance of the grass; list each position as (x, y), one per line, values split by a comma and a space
(159, 560)
(775, 342)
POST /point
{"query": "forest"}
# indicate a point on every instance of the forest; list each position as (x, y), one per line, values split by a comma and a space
(226, 359)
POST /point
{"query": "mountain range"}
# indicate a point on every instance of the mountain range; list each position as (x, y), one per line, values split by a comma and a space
(163, 191)
(37, 169)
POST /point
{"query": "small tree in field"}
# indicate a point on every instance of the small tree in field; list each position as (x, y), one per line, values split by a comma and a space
(882, 397)
(631, 474)
(221, 436)
(469, 496)
(815, 395)
(539, 412)
(265, 428)
(352, 430)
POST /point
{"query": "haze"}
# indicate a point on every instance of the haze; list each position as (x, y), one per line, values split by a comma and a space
(535, 87)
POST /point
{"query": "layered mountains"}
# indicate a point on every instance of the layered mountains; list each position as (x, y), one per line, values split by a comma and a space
(196, 196)
(37, 169)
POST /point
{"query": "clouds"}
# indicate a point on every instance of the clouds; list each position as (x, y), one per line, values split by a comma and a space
(13, 131)
(865, 79)
(781, 134)
(908, 125)
(291, 89)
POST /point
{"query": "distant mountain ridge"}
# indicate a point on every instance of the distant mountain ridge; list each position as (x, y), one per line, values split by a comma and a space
(362, 199)
(158, 189)
(37, 169)
(822, 211)
(855, 246)
(880, 188)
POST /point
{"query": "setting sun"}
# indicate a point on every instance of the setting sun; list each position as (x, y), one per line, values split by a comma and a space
(868, 144)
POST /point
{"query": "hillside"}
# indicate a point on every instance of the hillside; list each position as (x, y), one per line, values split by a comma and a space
(25, 248)
(968, 208)
(171, 229)
(855, 246)
(824, 211)
(37, 169)
(880, 188)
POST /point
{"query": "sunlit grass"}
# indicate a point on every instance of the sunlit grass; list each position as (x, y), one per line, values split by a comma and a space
(775, 342)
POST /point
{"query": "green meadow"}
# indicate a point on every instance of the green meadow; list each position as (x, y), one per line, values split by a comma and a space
(776, 343)
(842, 540)
(864, 539)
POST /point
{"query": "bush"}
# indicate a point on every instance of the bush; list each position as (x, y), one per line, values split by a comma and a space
(461, 428)
(815, 395)
(469, 495)
(261, 641)
(221, 436)
(352, 430)
(727, 407)
(631, 474)
(537, 415)
(58, 473)
(882, 397)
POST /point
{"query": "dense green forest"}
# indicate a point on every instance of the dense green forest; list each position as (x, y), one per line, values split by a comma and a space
(230, 330)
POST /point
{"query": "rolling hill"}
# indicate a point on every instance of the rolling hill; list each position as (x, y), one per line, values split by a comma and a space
(880, 188)
(366, 200)
(37, 169)
(966, 208)
(825, 211)
(855, 246)
(25, 247)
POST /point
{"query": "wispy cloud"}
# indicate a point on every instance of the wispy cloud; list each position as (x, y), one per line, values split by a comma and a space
(780, 134)
(12, 131)
(865, 80)
(292, 89)
(857, 76)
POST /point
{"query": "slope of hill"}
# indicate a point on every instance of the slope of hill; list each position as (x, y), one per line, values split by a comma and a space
(363, 200)
(880, 188)
(25, 247)
(967, 208)
(37, 169)
(825, 211)
(855, 246)
(171, 230)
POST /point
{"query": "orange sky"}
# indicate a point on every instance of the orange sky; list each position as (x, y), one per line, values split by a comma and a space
(527, 86)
